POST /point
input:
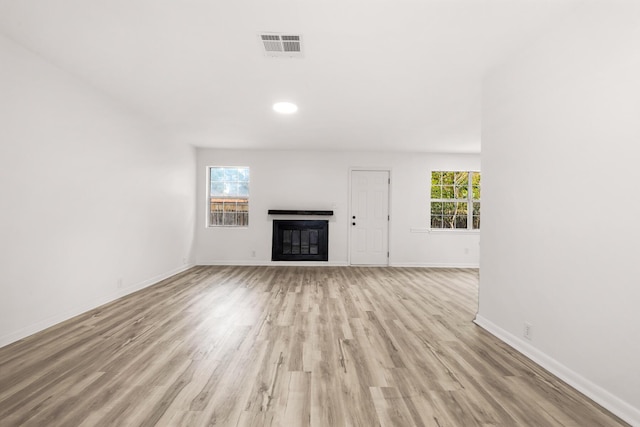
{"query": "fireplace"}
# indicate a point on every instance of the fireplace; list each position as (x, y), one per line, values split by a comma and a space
(300, 240)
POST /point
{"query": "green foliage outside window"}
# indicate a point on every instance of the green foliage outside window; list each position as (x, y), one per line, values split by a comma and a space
(452, 193)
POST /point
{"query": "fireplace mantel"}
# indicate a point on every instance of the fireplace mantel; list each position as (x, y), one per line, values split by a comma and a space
(298, 212)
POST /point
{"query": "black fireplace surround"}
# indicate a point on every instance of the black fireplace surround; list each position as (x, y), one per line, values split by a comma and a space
(300, 240)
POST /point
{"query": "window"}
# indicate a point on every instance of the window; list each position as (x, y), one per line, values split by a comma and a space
(229, 196)
(452, 193)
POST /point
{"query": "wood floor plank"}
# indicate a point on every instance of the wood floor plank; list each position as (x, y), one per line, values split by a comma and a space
(285, 346)
(390, 407)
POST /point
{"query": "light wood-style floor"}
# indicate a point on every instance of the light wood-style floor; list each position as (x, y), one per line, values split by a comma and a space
(285, 346)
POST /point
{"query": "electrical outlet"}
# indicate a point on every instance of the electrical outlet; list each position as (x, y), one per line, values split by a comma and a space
(528, 331)
(253, 254)
(184, 261)
(120, 283)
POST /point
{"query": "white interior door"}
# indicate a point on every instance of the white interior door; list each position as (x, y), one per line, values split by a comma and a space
(369, 220)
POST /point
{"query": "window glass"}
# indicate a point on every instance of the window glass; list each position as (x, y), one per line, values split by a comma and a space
(452, 193)
(229, 196)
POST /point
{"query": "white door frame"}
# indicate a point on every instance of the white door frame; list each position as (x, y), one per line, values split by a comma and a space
(365, 169)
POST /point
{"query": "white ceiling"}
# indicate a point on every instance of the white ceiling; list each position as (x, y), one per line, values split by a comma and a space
(376, 74)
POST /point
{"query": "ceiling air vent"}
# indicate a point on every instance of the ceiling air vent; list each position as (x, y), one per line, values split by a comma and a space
(282, 45)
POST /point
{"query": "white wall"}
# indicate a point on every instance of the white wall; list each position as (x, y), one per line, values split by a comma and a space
(89, 195)
(560, 231)
(320, 180)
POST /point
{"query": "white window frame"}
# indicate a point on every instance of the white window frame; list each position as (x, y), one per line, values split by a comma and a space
(469, 200)
(209, 221)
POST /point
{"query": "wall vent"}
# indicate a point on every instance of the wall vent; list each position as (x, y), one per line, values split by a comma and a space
(282, 45)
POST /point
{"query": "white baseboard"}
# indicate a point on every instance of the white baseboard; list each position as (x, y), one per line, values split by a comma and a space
(593, 391)
(329, 264)
(277, 263)
(83, 308)
(434, 265)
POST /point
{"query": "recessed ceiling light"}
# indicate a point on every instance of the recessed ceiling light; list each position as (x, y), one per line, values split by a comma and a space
(285, 107)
